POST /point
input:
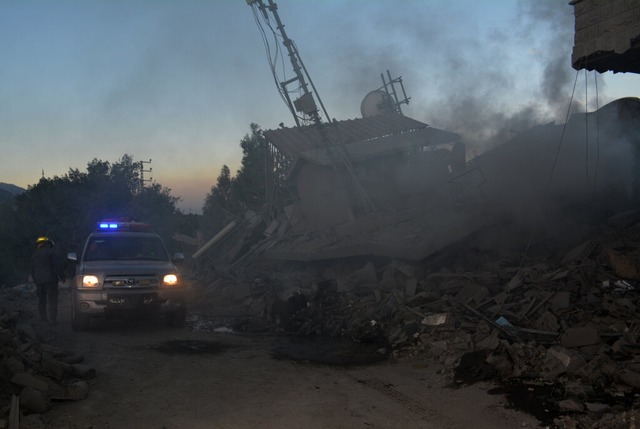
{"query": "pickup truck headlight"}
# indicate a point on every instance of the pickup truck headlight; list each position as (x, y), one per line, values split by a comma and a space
(90, 281)
(170, 280)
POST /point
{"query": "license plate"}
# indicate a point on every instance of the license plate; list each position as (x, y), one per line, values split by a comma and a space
(131, 301)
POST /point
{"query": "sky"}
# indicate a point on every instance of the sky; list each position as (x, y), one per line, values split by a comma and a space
(179, 82)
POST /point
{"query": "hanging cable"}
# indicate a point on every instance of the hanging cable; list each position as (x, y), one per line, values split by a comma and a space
(586, 122)
(553, 167)
(564, 129)
(595, 174)
(272, 59)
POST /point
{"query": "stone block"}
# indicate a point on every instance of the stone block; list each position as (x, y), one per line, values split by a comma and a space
(84, 371)
(435, 319)
(571, 405)
(628, 377)
(52, 367)
(27, 380)
(553, 366)
(71, 359)
(78, 390)
(410, 287)
(27, 331)
(623, 266)
(580, 336)
(560, 300)
(34, 400)
(14, 365)
(366, 275)
(547, 322)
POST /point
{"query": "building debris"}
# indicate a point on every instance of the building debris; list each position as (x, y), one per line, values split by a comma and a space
(34, 374)
(545, 293)
(561, 322)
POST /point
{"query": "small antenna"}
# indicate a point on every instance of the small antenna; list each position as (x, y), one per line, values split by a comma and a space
(389, 88)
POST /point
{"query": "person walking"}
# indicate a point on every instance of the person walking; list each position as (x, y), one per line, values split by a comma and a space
(45, 275)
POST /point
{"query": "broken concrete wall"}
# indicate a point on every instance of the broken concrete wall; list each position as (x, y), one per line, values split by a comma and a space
(592, 157)
(606, 35)
(400, 181)
(339, 171)
(236, 243)
(323, 197)
(394, 182)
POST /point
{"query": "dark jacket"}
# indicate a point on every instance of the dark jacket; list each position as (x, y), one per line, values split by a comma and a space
(43, 266)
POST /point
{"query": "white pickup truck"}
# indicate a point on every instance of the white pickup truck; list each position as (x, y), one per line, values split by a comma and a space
(125, 269)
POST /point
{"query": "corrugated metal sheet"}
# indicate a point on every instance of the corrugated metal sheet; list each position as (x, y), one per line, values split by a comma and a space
(381, 146)
(298, 142)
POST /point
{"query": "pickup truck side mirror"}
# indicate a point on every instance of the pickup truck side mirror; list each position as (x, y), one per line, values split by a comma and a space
(72, 257)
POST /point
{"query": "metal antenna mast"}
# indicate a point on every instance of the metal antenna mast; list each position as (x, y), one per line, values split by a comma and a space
(386, 85)
(306, 103)
(142, 171)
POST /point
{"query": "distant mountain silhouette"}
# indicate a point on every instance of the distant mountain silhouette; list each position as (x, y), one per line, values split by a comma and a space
(7, 191)
(13, 189)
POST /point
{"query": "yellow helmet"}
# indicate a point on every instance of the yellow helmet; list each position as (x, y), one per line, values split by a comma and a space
(40, 240)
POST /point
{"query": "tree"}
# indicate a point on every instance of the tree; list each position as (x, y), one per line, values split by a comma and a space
(155, 205)
(230, 197)
(250, 184)
(67, 208)
(219, 204)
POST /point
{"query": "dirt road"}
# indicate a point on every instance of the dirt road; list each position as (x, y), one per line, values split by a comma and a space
(154, 377)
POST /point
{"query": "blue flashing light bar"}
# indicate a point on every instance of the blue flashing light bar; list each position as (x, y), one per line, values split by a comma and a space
(108, 225)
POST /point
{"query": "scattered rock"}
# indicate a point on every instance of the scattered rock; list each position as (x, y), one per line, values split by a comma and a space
(566, 317)
(31, 370)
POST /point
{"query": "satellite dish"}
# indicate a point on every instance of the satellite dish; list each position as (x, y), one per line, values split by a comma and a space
(375, 103)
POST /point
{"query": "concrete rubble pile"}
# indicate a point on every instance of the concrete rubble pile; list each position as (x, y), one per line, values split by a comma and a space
(567, 319)
(33, 374)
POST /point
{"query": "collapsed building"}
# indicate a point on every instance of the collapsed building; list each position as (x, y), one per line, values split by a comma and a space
(389, 186)
(523, 260)
(407, 191)
(384, 230)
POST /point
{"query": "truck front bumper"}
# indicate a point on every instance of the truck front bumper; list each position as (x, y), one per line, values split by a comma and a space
(95, 302)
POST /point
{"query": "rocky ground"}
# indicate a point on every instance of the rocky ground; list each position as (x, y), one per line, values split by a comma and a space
(34, 373)
(210, 375)
(556, 335)
(554, 325)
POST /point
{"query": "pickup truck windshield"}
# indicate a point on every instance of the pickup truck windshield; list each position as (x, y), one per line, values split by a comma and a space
(125, 248)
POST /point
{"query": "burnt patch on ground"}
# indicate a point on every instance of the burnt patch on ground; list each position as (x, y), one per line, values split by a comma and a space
(538, 400)
(191, 347)
(200, 321)
(473, 368)
(550, 403)
(329, 351)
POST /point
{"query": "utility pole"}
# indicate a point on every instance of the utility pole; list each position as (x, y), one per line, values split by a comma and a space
(306, 103)
(142, 171)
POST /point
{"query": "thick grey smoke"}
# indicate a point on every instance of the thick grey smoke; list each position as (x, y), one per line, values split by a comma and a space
(558, 24)
(465, 81)
(474, 107)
